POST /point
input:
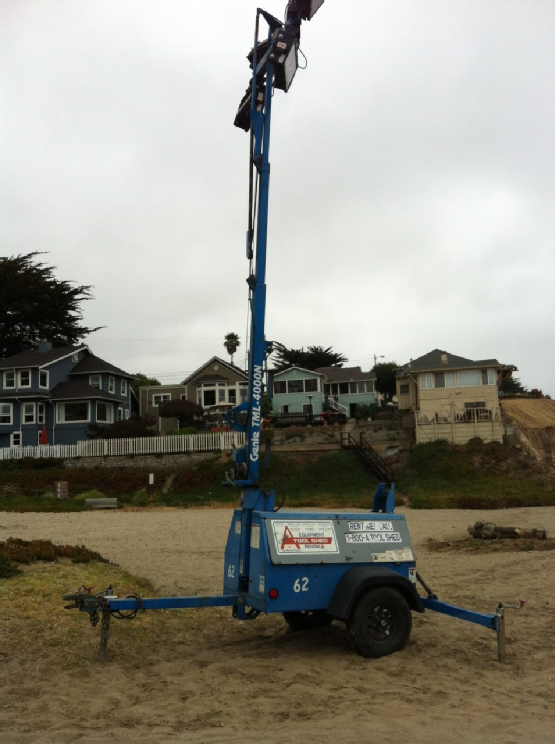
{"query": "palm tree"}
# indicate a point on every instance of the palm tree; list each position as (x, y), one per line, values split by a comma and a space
(231, 343)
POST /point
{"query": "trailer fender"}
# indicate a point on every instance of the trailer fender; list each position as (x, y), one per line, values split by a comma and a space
(355, 581)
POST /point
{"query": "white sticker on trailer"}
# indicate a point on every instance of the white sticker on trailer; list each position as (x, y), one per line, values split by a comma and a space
(304, 537)
(363, 526)
(393, 556)
(255, 536)
(358, 538)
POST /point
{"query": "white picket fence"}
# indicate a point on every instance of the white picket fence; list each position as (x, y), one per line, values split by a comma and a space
(206, 442)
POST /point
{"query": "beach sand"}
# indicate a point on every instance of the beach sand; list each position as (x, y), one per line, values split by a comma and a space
(230, 681)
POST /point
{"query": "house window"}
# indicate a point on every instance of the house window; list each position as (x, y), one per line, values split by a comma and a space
(127, 413)
(352, 388)
(6, 413)
(426, 380)
(366, 387)
(161, 398)
(477, 411)
(25, 378)
(75, 358)
(280, 386)
(123, 387)
(209, 397)
(450, 379)
(243, 393)
(488, 377)
(95, 381)
(469, 377)
(28, 416)
(307, 408)
(232, 396)
(285, 409)
(403, 389)
(67, 413)
(221, 395)
(9, 379)
(327, 388)
(104, 412)
(311, 386)
(439, 379)
(343, 388)
(40, 413)
(43, 378)
(111, 385)
(16, 439)
(120, 414)
(295, 386)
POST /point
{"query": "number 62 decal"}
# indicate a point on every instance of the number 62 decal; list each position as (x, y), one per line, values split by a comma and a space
(301, 585)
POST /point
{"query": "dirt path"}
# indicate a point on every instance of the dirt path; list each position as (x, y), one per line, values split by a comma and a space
(254, 682)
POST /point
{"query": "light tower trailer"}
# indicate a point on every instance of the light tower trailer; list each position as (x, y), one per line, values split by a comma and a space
(312, 567)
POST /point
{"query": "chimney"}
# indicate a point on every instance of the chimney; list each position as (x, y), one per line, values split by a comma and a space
(444, 359)
(43, 346)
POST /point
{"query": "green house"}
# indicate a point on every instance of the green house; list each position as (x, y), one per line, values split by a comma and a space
(298, 390)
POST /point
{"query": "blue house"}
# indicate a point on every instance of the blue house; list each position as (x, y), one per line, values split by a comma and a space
(52, 395)
(297, 390)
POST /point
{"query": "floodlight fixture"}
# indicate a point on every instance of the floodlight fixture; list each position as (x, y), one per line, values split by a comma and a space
(243, 116)
(304, 9)
(284, 57)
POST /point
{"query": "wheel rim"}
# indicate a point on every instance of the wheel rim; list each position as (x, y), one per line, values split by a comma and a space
(382, 622)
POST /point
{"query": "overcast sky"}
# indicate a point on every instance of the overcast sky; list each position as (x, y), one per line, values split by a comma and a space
(412, 198)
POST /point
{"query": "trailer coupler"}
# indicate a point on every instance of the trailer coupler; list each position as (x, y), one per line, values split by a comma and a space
(105, 605)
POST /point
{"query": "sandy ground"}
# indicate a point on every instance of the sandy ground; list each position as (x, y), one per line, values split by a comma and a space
(534, 413)
(257, 682)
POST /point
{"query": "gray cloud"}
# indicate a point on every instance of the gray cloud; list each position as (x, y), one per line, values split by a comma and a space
(412, 191)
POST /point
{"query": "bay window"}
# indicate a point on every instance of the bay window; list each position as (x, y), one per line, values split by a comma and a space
(28, 413)
(104, 412)
(67, 413)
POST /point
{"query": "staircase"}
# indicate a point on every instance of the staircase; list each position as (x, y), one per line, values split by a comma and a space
(335, 406)
(369, 458)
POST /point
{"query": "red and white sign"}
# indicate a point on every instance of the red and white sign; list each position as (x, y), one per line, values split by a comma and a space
(304, 537)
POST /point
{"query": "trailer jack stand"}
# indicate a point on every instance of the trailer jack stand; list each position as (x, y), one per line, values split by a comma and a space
(500, 612)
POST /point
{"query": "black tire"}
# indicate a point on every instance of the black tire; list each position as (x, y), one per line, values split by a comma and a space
(380, 623)
(308, 620)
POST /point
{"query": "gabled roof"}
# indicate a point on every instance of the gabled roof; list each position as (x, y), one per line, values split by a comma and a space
(34, 358)
(345, 374)
(300, 369)
(218, 361)
(81, 391)
(92, 364)
(440, 360)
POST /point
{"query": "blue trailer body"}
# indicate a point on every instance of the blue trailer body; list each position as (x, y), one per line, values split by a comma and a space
(301, 556)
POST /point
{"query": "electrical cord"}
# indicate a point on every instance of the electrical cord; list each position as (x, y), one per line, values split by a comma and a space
(119, 615)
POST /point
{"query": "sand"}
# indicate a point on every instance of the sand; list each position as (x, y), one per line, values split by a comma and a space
(257, 682)
(533, 413)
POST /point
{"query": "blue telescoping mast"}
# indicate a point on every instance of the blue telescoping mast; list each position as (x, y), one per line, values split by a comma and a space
(274, 62)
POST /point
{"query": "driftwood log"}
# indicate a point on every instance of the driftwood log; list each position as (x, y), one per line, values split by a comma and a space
(490, 531)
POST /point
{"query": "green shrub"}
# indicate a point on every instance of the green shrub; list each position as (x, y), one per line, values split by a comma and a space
(295, 432)
(7, 568)
(140, 498)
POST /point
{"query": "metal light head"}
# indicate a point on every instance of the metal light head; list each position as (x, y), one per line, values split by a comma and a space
(304, 9)
(243, 116)
(284, 57)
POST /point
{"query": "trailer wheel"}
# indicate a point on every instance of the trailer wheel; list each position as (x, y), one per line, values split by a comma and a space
(380, 623)
(308, 620)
